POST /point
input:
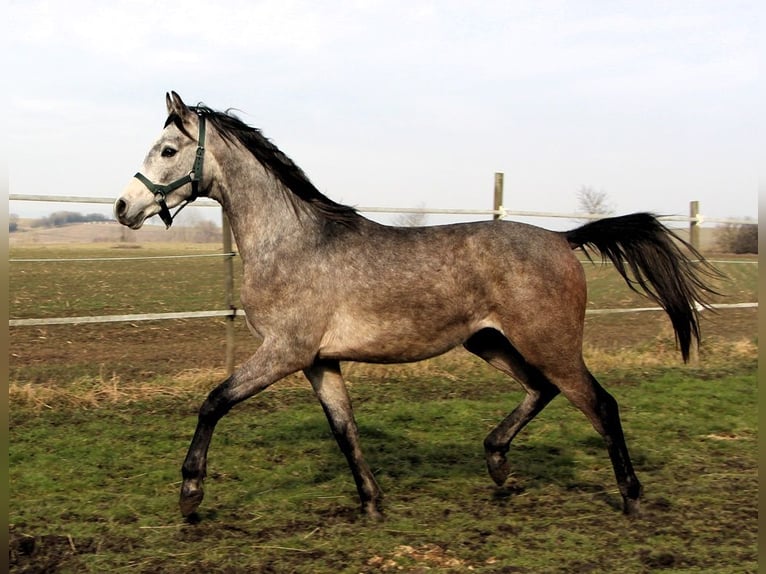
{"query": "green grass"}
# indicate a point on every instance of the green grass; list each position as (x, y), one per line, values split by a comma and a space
(142, 351)
(101, 417)
(143, 286)
(280, 497)
(74, 288)
(607, 290)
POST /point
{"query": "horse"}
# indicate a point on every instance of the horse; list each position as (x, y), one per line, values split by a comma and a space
(322, 284)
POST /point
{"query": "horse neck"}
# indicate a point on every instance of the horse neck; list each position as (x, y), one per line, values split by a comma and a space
(264, 220)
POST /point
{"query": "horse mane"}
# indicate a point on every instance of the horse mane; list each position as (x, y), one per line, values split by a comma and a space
(282, 167)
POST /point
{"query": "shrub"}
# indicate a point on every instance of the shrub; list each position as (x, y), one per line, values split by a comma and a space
(738, 238)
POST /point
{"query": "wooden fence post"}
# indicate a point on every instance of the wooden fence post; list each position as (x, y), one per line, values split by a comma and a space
(694, 228)
(228, 278)
(498, 202)
(694, 239)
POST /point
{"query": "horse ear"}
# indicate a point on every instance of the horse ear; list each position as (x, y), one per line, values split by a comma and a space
(176, 105)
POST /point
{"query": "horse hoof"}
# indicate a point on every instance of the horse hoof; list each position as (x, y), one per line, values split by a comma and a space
(631, 507)
(372, 513)
(376, 516)
(191, 498)
(498, 468)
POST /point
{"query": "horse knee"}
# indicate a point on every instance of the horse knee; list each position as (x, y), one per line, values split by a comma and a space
(216, 405)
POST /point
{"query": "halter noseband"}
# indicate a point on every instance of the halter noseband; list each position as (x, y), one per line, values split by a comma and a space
(161, 191)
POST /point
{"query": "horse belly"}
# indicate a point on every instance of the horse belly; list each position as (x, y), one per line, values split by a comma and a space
(393, 340)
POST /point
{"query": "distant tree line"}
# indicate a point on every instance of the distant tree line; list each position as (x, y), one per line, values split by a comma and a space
(57, 219)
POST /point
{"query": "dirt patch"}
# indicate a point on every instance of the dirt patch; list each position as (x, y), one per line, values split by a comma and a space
(420, 559)
(141, 351)
(123, 351)
(46, 553)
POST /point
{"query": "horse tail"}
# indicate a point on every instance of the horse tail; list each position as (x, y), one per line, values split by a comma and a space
(658, 266)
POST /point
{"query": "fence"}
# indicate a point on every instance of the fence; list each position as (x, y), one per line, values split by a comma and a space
(695, 220)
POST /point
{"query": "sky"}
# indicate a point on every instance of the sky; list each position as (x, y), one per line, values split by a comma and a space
(403, 103)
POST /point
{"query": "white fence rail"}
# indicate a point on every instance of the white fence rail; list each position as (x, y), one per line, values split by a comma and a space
(499, 212)
(233, 312)
(120, 318)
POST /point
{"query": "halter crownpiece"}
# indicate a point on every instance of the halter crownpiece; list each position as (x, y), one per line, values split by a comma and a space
(194, 177)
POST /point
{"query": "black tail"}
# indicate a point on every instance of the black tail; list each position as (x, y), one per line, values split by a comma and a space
(657, 264)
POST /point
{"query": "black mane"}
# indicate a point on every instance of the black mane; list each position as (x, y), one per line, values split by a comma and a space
(282, 167)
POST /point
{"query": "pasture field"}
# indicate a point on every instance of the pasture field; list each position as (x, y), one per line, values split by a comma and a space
(101, 417)
(141, 351)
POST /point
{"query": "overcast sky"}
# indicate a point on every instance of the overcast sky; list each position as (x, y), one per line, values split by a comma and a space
(403, 103)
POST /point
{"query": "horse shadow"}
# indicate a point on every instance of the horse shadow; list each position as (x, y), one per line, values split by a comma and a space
(402, 463)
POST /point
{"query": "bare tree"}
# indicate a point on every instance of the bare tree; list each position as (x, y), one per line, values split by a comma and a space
(206, 231)
(412, 219)
(593, 202)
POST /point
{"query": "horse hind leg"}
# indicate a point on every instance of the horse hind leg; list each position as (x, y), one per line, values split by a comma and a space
(328, 384)
(495, 348)
(583, 390)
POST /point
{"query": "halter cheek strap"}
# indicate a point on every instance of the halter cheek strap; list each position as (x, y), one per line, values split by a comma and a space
(194, 177)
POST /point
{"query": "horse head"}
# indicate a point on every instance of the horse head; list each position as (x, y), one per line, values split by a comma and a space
(172, 173)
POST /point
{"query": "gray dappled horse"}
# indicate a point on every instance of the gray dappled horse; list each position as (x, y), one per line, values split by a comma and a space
(322, 284)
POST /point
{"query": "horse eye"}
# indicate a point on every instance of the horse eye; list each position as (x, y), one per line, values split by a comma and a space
(168, 152)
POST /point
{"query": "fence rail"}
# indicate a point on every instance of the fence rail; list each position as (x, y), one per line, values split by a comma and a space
(141, 258)
(121, 318)
(231, 313)
(695, 219)
(500, 211)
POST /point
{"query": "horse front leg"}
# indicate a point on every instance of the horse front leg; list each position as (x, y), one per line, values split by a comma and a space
(256, 374)
(328, 384)
(194, 469)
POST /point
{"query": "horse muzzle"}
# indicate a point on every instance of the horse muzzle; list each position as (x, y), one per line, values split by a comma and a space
(135, 205)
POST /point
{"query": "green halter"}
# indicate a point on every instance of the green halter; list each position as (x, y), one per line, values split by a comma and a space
(161, 191)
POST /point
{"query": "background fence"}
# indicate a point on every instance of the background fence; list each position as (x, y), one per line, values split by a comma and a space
(499, 211)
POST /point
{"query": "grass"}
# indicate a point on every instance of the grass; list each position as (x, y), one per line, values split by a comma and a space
(280, 497)
(142, 351)
(101, 417)
(71, 288)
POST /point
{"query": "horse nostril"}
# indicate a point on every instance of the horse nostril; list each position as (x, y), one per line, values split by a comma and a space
(120, 207)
